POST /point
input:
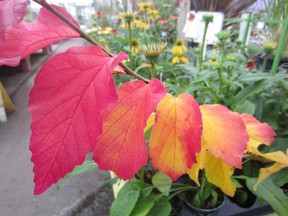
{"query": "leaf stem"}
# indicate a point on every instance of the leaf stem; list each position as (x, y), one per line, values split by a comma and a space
(88, 38)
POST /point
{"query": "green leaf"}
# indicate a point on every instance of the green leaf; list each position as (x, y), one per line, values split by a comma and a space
(251, 168)
(246, 107)
(279, 144)
(248, 91)
(85, 167)
(108, 183)
(161, 208)
(127, 198)
(124, 203)
(252, 77)
(144, 204)
(280, 178)
(162, 182)
(272, 194)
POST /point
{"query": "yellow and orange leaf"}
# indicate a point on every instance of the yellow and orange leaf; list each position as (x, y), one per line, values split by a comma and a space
(266, 172)
(259, 133)
(281, 162)
(176, 135)
(262, 133)
(201, 162)
(219, 174)
(224, 133)
(150, 122)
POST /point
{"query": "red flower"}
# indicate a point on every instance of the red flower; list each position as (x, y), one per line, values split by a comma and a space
(191, 17)
(250, 64)
(174, 17)
(114, 31)
(163, 21)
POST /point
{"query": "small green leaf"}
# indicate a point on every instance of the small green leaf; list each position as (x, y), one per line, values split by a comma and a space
(279, 144)
(162, 182)
(249, 91)
(280, 178)
(85, 167)
(161, 208)
(127, 198)
(108, 183)
(124, 203)
(144, 204)
(272, 194)
(246, 107)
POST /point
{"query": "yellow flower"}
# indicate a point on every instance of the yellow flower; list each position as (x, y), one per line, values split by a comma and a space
(153, 14)
(105, 30)
(179, 48)
(269, 46)
(134, 47)
(144, 6)
(141, 24)
(153, 50)
(179, 58)
(166, 6)
(213, 61)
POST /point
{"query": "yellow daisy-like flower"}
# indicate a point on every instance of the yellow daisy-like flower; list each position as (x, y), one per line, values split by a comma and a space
(179, 58)
(153, 50)
(166, 6)
(213, 61)
(141, 24)
(179, 48)
(269, 46)
(105, 30)
(153, 14)
(134, 45)
(144, 6)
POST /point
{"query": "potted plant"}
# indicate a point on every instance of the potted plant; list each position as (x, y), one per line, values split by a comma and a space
(272, 34)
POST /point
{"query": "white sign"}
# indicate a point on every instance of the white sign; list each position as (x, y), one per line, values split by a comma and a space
(194, 26)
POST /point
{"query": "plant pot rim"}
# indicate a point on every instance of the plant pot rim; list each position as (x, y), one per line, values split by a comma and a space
(204, 210)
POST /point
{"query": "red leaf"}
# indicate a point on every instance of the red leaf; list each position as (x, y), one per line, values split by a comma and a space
(25, 38)
(11, 13)
(122, 148)
(70, 93)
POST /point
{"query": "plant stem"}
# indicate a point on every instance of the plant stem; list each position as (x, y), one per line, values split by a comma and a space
(264, 63)
(142, 174)
(220, 69)
(203, 44)
(130, 41)
(152, 71)
(257, 158)
(88, 38)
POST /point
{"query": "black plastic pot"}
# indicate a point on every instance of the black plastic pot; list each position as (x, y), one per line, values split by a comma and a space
(203, 212)
(260, 59)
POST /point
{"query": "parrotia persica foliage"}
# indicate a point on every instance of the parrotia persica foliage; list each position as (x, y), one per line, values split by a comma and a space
(76, 109)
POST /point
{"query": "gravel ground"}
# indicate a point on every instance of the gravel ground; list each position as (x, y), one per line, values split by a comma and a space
(96, 203)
